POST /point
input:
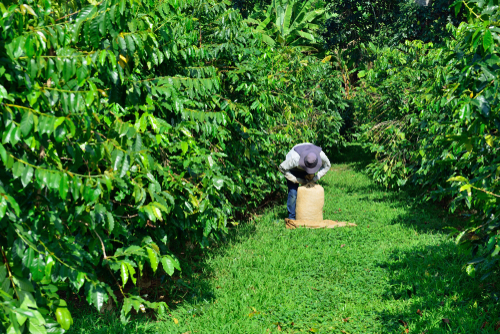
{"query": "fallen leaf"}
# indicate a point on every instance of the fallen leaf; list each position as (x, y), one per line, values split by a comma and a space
(419, 313)
(176, 321)
(446, 321)
(406, 331)
(343, 245)
(484, 324)
(279, 328)
(346, 319)
(404, 323)
(292, 323)
(368, 225)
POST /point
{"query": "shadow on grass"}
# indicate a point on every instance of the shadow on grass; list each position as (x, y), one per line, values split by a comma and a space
(354, 155)
(191, 287)
(439, 296)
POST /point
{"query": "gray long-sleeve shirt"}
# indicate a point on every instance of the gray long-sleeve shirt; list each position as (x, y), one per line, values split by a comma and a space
(292, 162)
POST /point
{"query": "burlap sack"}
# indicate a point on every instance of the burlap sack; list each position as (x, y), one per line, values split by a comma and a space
(293, 224)
(310, 201)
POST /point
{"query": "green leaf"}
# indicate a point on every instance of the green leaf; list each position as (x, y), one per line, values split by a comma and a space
(153, 259)
(77, 279)
(27, 299)
(24, 284)
(130, 44)
(122, 6)
(27, 123)
(3, 93)
(38, 321)
(8, 135)
(64, 186)
(184, 147)
(125, 166)
(71, 126)
(54, 179)
(60, 133)
(465, 187)
(138, 143)
(13, 204)
(218, 182)
(471, 270)
(491, 243)
(124, 272)
(131, 271)
(76, 185)
(457, 178)
(457, 7)
(48, 266)
(157, 212)
(17, 169)
(46, 125)
(459, 237)
(116, 158)
(102, 57)
(58, 121)
(96, 295)
(89, 98)
(168, 264)
(27, 175)
(111, 221)
(3, 154)
(63, 317)
(37, 267)
(489, 140)
(487, 40)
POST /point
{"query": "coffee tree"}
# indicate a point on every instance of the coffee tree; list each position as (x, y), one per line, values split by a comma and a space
(431, 115)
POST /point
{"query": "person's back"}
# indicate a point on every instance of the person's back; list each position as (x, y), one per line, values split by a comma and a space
(302, 162)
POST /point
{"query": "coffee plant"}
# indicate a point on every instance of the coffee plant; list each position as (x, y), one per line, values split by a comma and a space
(130, 128)
(431, 115)
(385, 23)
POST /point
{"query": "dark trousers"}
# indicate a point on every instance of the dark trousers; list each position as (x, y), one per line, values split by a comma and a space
(292, 193)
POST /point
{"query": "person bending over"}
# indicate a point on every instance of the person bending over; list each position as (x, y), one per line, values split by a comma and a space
(301, 163)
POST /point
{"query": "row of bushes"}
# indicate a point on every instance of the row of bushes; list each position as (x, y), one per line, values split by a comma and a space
(431, 113)
(130, 128)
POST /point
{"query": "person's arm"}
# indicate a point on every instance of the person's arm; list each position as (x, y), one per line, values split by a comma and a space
(290, 162)
(325, 167)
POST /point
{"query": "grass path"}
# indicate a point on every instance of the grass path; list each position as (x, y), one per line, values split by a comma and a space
(394, 273)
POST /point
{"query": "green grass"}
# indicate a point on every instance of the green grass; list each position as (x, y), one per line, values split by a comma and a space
(372, 278)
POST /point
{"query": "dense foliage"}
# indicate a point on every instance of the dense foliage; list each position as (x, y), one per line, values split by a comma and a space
(130, 128)
(386, 22)
(431, 114)
(289, 22)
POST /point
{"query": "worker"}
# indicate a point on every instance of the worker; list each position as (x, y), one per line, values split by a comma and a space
(302, 162)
